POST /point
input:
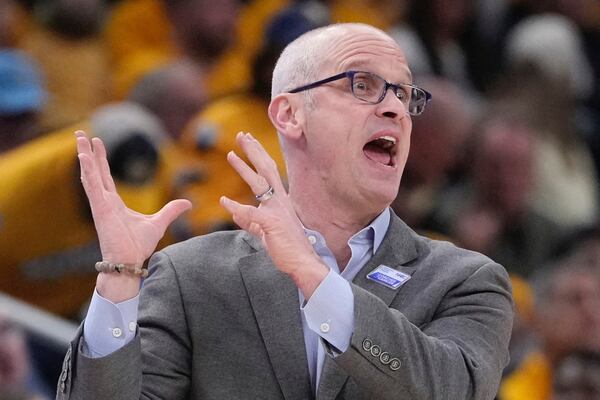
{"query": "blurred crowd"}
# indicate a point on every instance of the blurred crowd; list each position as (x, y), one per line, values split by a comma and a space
(504, 161)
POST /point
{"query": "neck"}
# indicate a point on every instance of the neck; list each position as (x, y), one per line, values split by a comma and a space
(335, 222)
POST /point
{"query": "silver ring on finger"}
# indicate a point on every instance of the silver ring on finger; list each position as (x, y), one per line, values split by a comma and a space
(266, 195)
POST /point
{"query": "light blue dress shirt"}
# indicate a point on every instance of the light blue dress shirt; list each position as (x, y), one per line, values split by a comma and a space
(328, 315)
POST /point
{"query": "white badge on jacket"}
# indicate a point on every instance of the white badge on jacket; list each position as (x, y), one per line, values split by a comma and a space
(388, 277)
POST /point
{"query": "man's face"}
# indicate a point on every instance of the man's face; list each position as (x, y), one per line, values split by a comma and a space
(570, 319)
(503, 167)
(205, 29)
(346, 138)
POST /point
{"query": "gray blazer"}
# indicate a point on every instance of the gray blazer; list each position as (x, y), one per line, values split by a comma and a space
(219, 321)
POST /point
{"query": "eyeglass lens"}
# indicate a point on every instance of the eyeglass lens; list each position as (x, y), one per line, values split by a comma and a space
(371, 88)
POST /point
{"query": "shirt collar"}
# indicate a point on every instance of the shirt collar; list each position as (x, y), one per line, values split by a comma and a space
(373, 233)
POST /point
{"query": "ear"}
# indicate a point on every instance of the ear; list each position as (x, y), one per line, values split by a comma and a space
(287, 116)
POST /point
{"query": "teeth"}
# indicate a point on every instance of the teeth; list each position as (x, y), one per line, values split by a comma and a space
(388, 138)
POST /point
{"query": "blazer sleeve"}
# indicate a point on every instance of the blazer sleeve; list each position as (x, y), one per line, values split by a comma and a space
(459, 354)
(155, 364)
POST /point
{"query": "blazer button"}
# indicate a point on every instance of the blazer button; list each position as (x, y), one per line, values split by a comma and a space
(395, 364)
(375, 351)
(366, 344)
(385, 358)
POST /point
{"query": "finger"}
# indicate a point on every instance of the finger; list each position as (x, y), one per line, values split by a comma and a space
(102, 163)
(90, 181)
(255, 230)
(258, 184)
(261, 160)
(83, 143)
(244, 215)
(89, 170)
(170, 212)
(252, 228)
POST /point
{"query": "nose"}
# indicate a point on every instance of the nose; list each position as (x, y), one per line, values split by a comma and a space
(391, 107)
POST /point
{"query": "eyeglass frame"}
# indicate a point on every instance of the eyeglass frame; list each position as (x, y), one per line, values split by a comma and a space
(350, 75)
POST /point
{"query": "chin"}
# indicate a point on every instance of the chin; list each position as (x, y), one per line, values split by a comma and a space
(376, 201)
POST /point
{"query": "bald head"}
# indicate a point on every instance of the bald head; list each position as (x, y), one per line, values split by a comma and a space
(302, 60)
(174, 93)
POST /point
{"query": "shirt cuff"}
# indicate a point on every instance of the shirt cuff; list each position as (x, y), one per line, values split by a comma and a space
(109, 326)
(330, 311)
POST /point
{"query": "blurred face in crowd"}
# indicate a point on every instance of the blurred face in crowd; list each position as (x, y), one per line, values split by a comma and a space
(570, 319)
(184, 97)
(503, 166)
(203, 28)
(341, 154)
(439, 137)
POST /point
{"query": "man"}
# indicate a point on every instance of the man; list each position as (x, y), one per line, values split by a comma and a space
(266, 315)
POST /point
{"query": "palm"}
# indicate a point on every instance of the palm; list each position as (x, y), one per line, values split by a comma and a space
(125, 236)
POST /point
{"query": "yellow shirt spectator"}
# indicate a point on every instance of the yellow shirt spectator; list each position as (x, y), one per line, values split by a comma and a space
(210, 137)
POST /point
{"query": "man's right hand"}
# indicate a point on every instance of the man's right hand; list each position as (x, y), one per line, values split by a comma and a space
(125, 236)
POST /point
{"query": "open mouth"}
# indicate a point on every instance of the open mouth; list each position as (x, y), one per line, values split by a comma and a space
(381, 150)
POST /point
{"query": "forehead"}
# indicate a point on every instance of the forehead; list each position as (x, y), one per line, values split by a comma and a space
(366, 49)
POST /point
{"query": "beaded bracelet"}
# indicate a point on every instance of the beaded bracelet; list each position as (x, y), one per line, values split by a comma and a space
(135, 269)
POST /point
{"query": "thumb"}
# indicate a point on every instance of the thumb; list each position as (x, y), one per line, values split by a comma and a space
(170, 212)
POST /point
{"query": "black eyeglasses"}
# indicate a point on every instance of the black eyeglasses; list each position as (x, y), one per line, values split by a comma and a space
(372, 88)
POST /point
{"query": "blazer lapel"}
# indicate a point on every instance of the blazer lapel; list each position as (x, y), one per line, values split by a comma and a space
(274, 299)
(397, 249)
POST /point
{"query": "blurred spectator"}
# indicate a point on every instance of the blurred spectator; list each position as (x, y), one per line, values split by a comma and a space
(490, 212)
(546, 90)
(440, 39)
(586, 13)
(174, 93)
(143, 35)
(567, 304)
(565, 321)
(22, 96)
(63, 38)
(18, 378)
(577, 377)
(438, 141)
(553, 45)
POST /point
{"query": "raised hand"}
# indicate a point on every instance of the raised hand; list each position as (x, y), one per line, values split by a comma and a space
(125, 236)
(274, 219)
